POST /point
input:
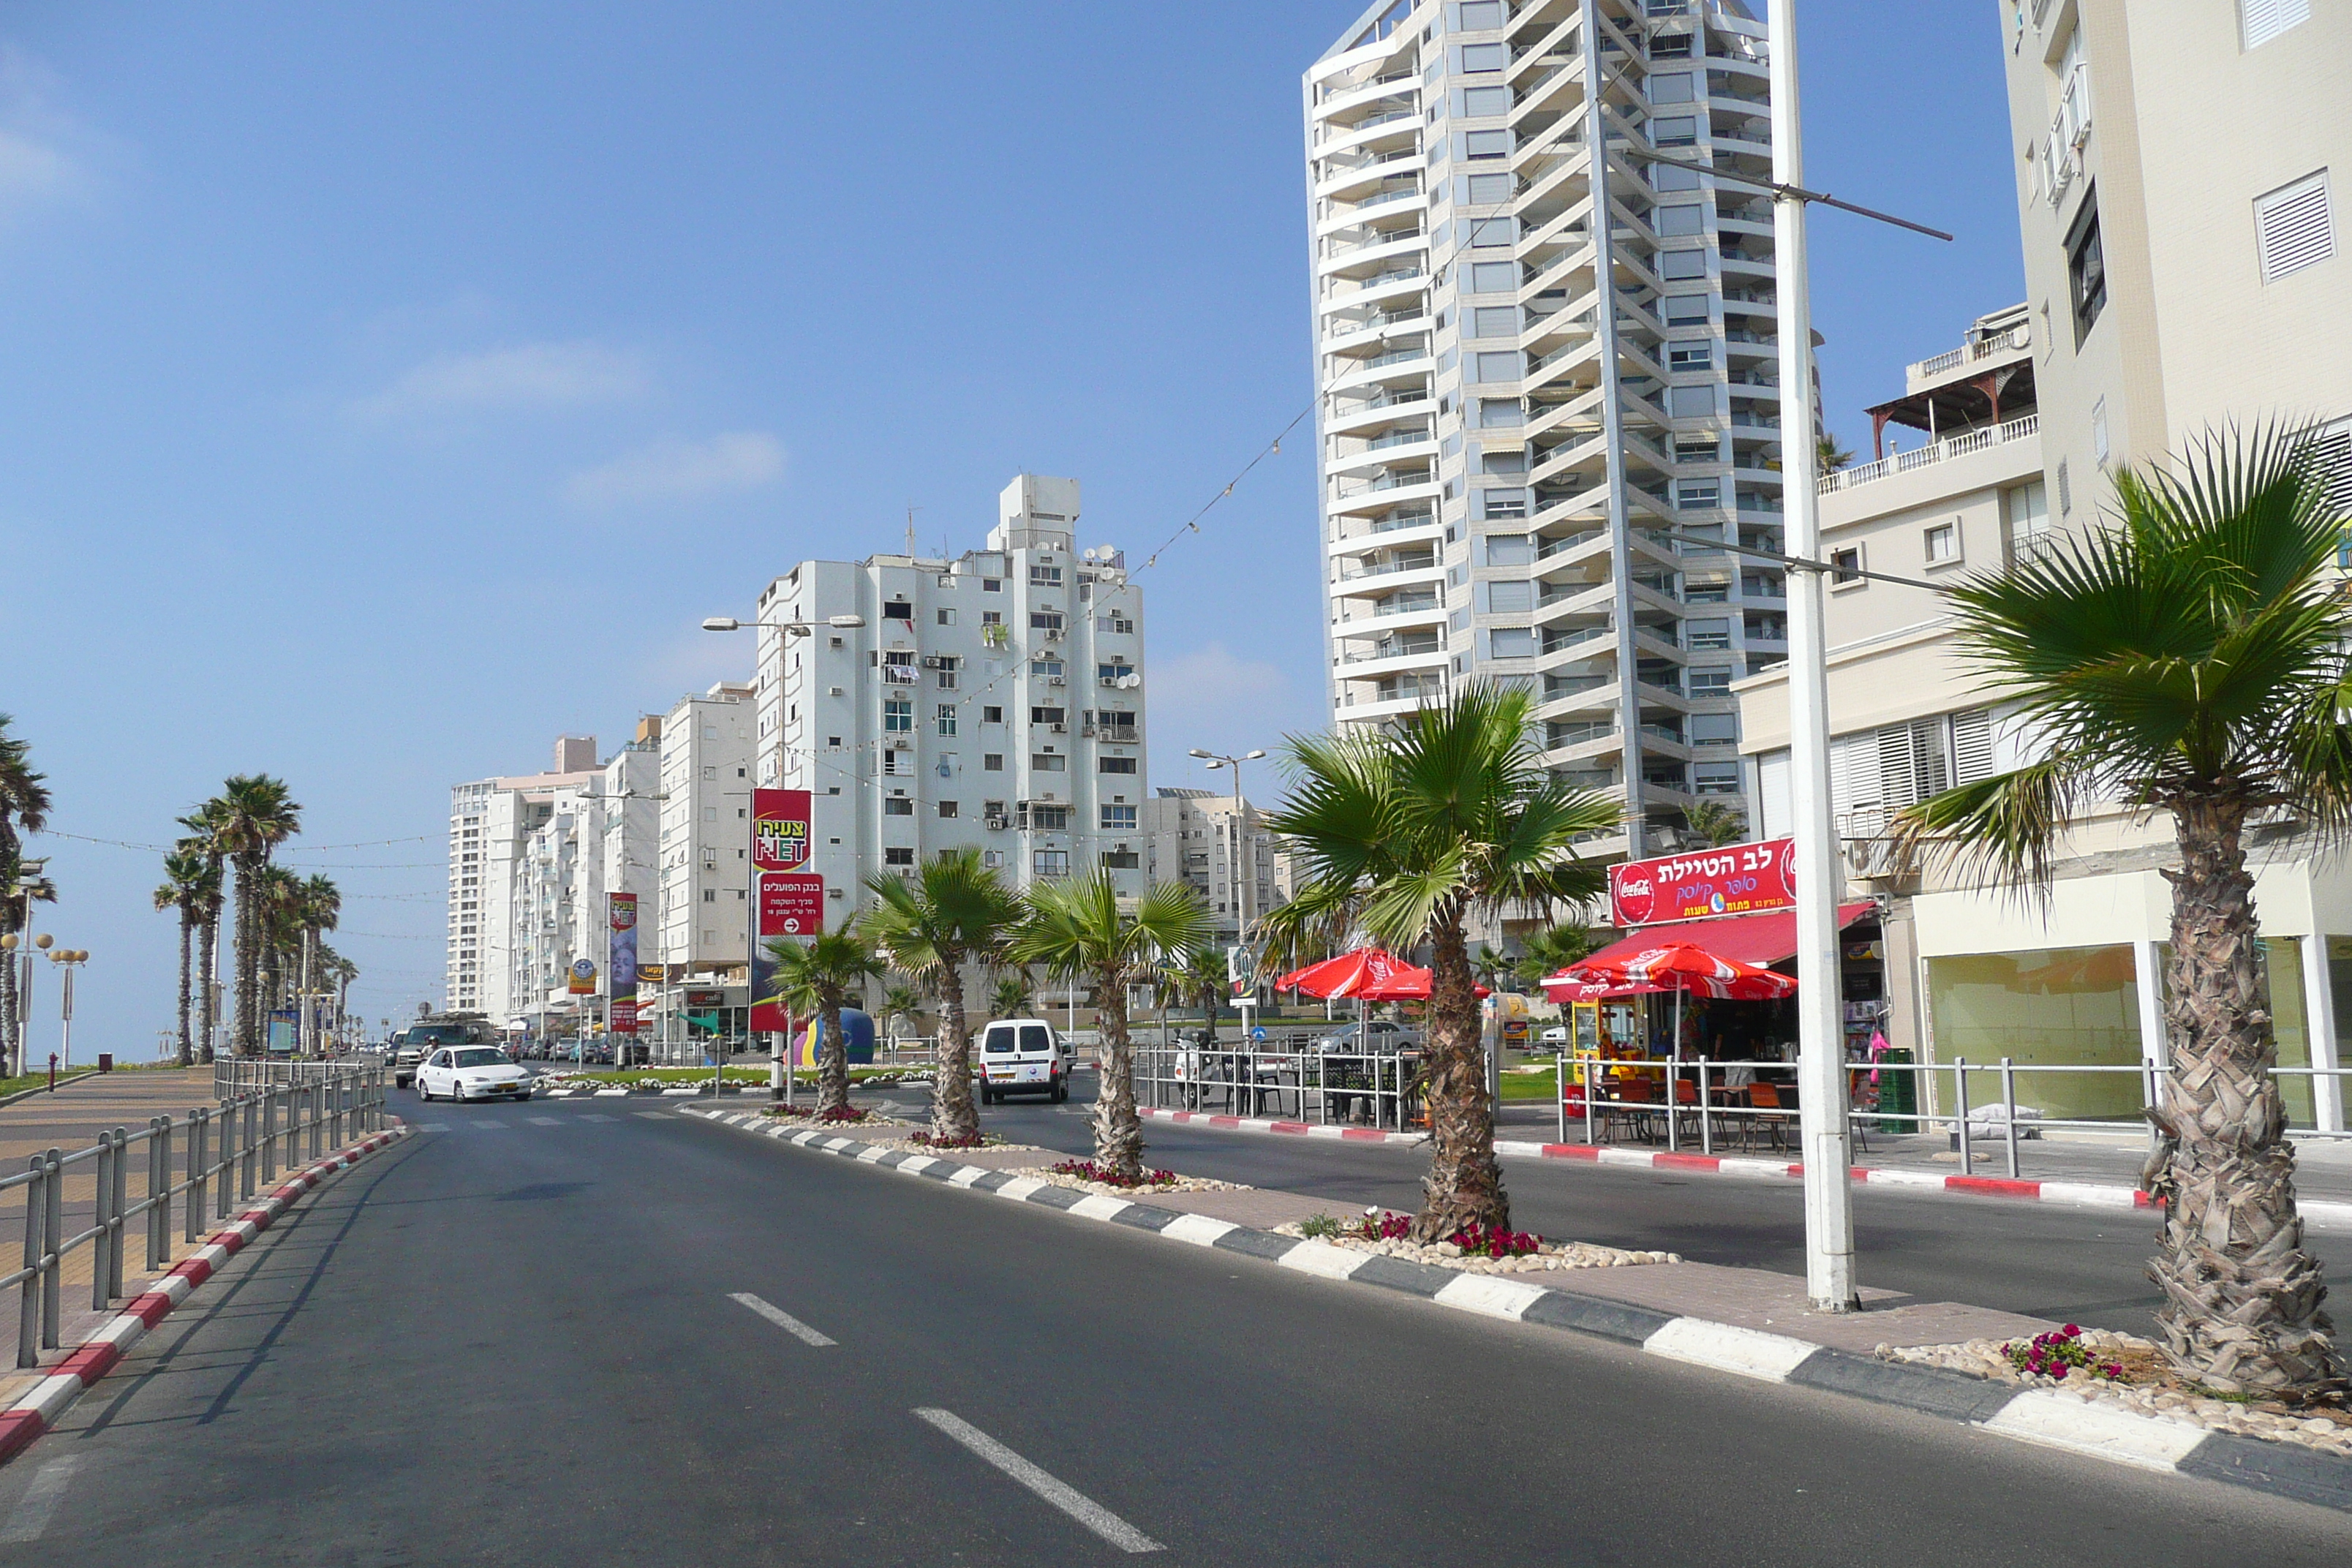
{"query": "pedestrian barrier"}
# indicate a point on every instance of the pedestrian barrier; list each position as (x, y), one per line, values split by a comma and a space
(1247, 1081)
(266, 1119)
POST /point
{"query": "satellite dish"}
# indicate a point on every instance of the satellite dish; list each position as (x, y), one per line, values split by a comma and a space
(1129, 683)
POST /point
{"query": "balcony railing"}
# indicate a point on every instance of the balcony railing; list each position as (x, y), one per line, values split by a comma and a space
(2013, 340)
(1934, 452)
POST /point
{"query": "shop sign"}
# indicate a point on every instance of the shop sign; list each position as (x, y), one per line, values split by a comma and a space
(1737, 880)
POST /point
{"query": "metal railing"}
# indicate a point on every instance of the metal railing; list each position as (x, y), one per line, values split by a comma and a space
(1285, 1073)
(1680, 1100)
(270, 1113)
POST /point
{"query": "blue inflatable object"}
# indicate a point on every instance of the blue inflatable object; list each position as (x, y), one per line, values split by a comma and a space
(856, 1027)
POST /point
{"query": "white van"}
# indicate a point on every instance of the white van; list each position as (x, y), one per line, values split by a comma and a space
(1023, 1056)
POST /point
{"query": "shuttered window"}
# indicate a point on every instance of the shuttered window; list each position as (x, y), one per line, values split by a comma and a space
(2262, 20)
(2292, 227)
(2334, 445)
(1972, 746)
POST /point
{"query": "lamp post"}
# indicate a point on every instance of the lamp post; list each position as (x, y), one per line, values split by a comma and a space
(1243, 876)
(779, 1085)
(21, 952)
(68, 960)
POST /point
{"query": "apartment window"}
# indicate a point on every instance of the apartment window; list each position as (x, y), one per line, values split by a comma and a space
(1699, 634)
(1673, 177)
(1481, 16)
(1050, 862)
(898, 806)
(1484, 57)
(711, 773)
(1115, 765)
(2293, 227)
(1039, 715)
(1495, 321)
(1049, 818)
(2260, 21)
(2065, 491)
(1691, 494)
(1690, 356)
(1682, 265)
(1493, 277)
(946, 616)
(1048, 763)
(1113, 672)
(1511, 642)
(833, 741)
(1845, 567)
(947, 808)
(899, 610)
(1943, 544)
(990, 585)
(1497, 366)
(1119, 624)
(1503, 505)
(1682, 310)
(947, 719)
(948, 666)
(1489, 233)
(992, 762)
(1681, 131)
(1118, 818)
(1499, 412)
(1488, 144)
(898, 715)
(1510, 598)
(1488, 190)
(1714, 778)
(709, 813)
(710, 895)
(1715, 729)
(1675, 87)
(1478, 101)
(1679, 221)
(1044, 620)
(1698, 448)
(1702, 680)
(898, 856)
(991, 715)
(2087, 267)
(1690, 402)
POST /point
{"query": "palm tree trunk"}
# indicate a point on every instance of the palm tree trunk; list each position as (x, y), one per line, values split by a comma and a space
(1118, 1131)
(833, 1062)
(9, 1064)
(207, 1001)
(954, 1118)
(2241, 1296)
(1465, 1185)
(245, 960)
(187, 963)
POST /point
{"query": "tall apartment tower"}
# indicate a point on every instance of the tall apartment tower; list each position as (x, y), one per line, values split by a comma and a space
(494, 955)
(704, 919)
(1502, 458)
(2185, 258)
(992, 700)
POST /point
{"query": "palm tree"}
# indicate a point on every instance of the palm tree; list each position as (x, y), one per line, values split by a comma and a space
(203, 839)
(817, 976)
(2186, 657)
(1015, 995)
(320, 906)
(955, 911)
(254, 814)
(24, 808)
(190, 882)
(1200, 977)
(1713, 824)
(902, 1003)
(1551, 950)
(1408, 833)
(1831, 453)
(278, 923)
(17, 915)
(1076, 929)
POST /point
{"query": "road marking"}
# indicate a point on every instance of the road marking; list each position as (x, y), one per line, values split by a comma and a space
(598, 1116)
(488, 1124)
(655, 1115)
(432, 1127)
(547, 1122)
(31, 1516)
(781, 1319)
(2052, 1419)
(1750, 1352)
(1068, 1499)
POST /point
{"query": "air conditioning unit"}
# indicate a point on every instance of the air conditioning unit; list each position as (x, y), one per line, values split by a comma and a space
(1059, 729)
(997, 821)
(1057, 680)
(1052, 634)
(934, 661)
(898, 743)
(1869, 857)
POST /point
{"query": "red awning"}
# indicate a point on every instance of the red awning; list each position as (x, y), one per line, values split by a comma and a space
(1764, 938)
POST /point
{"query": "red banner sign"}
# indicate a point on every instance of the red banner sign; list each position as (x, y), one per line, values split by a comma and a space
(780, 830)
(787, 902)
(1738, 879)
(792, 903)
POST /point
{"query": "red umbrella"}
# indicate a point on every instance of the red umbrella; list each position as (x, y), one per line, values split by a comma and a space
(1367, 974)
(1680, 966)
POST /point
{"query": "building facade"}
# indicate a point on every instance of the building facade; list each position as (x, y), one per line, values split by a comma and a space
(992, 700)
(1505, 466)
(492, 952)
(703, 923)
(1222, 851)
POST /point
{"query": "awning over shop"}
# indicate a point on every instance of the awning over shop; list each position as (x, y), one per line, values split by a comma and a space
(1764, 938)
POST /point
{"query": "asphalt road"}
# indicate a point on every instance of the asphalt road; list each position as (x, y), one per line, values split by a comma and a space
(514, 1341)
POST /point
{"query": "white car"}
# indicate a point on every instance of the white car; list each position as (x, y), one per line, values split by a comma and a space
(470, 1072)
(1556, 1036)
(1023, 1056)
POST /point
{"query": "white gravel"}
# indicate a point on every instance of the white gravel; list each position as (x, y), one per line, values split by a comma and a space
(1554, 1255)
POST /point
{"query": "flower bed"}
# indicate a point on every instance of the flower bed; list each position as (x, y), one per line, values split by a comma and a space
(2102, 1367)
(1474, 1249)
(1087, 1171)
(1075, 1173)
(840, 1116)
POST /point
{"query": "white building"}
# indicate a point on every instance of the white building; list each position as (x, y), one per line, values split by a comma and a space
(991, 700)
(1500, 460)
(1198, 837)
(491, 966)
(703, 918)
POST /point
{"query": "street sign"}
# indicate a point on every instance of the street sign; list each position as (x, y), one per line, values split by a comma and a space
(583, 977)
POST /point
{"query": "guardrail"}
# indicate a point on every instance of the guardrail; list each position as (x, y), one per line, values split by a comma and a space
(1250, 1082)
(1697, 1103)
(225, 1155)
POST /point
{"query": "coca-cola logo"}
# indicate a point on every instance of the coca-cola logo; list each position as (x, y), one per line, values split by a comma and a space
(1636, 897)
(1787, 869)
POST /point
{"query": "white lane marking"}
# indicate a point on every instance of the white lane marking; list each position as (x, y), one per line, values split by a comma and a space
(1068, 1499)
(31, 1515)
(1323, 1259)
(610, 1094)
(781, 1319)
(654, 1115)
(2056, 1421)
(1750, 1352)
(487, 1124)
(1197, 1228)
(1494, 1298)
(432, 1127)
(547, 1122)
(598, 1116)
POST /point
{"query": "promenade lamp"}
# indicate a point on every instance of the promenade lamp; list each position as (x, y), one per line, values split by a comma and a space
(1245, 876)
(68, 960)
(20, 952)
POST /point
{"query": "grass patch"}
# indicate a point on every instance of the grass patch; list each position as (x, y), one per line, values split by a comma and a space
(684, 1076)
(24, 1081)
(1540, 1085)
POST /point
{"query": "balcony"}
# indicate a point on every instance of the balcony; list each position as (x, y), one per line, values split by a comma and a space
(1934, 452)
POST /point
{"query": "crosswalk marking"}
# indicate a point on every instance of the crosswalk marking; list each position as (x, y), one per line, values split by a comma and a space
(488, 1124)
(598, 1116)
(547, 1122)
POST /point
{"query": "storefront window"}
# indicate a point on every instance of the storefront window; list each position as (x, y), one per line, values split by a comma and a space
(2056, 1007)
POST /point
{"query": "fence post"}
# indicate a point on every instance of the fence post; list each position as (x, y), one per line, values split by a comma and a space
(248, 1148)
(1559, 1090)
(269, 1136)
(52, 1283)
(199, 1182)
(2008, 1117)
(106, 1154)
(1586, 1070)
(1961, 1101)
(28, 1295)
(1706, 1133)
(159, 1192)
(115, 1211)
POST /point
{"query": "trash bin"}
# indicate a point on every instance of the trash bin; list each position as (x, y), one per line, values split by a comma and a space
(1898, 1093)
(106, 1061)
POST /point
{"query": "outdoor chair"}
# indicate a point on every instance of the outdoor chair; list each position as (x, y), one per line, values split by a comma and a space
(1772, 1117)
(1632, 1106)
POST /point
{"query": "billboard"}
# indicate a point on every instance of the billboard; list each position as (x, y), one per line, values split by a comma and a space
(621, 963)
(1737, 880)
(787, 898)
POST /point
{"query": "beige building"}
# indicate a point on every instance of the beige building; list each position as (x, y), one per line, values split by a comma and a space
(2186, 269)
(1200, 839)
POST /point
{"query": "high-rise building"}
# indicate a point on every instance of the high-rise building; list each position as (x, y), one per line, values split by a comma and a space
(704, 920)
(994, 699)
(1225, 853)
(493, 963)
(1503, 460)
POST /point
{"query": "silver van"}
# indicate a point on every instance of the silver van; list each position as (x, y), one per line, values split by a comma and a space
(1023, 1056)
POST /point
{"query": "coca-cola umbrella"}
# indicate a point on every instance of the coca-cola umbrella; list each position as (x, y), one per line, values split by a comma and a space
(1367, 974)
(1677, 966)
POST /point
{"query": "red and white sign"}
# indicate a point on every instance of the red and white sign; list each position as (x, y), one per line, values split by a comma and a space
(792, 903)
(787, 900)
(1737, 880)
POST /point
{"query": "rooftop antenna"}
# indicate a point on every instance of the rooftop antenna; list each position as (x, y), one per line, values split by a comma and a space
(911, 509)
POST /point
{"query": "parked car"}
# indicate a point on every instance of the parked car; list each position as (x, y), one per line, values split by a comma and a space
(1376, 1036)
(1556, 1036)
(471, 1072)
(1023, 1056)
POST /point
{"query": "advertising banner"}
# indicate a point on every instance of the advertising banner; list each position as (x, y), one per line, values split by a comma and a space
(1737, 880)
(787, 900)
(584, 978)
(621, 963)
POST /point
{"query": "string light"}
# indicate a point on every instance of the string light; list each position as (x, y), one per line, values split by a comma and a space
(1271, 450)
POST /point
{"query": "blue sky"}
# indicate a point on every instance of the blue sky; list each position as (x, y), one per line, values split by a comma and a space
(390, 389)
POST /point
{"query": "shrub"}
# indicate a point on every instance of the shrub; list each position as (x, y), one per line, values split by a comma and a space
(1087, 1171)
(842, 1113)
(967, 1141)
(1381, 1225)
(1317, 1226)
(2057, 1353)
(1493, 1241)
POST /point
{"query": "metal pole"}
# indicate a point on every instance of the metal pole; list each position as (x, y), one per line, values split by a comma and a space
(1706, 1135)
(117, 1204)
(2008, 1110)
(1589, 1085)
(107, 1153)
(199, 1185)
(53, 1187)
(1559, 1090)
(1960, 1098)
(28, 1294)
(1827, 1138)
(159, 1191)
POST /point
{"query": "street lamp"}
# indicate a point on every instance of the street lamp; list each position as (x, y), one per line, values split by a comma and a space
(796, 629)
(68, 960)
(21, 954)
(1242, 877)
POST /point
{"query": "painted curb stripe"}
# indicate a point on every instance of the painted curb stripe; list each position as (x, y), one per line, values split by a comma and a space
(2056, 1420)
(1748, 1351)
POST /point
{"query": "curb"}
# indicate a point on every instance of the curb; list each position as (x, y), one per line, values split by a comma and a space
(2048, 1418)
(2090, 1193)
(25, 1421)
